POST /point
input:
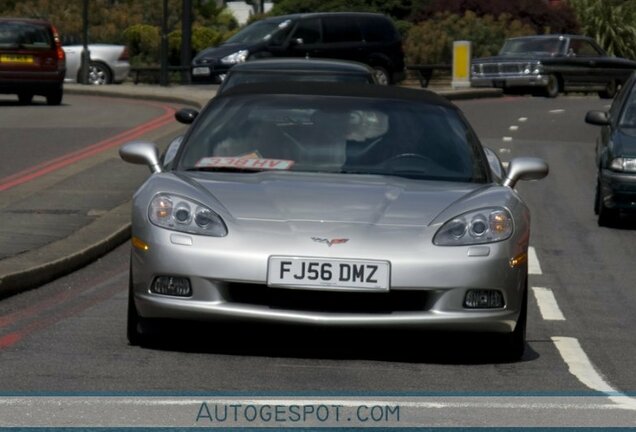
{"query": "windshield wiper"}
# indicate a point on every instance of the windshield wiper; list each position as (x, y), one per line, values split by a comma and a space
(226, 169)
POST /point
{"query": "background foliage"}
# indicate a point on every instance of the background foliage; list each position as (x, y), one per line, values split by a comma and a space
(428, 26)
(135, 23)
(431, 41)
(612, 23)
(544, 18)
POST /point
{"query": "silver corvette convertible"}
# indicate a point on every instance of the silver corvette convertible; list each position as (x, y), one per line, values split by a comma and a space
(333, 205)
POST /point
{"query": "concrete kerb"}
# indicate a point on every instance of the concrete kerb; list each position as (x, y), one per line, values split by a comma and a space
(39, 266)
(34, 268)
(176, 95)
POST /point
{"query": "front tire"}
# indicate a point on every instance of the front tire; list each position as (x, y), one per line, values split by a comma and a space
(607, 217)
(514, 344)
(25, 98)
(98, 74)
(610, 90)
(552, 89)
(381, 75)
(137, 327)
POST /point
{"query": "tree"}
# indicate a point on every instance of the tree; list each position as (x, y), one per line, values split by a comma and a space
(135, 23)
(431, 41)
(398, 9)
(611, 23)
(545, 18)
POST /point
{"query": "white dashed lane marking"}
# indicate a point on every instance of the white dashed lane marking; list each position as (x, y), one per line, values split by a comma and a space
(557, 111)
(507, 139)
(548, 306)
(514, 128)
(534, 268)
(582, 368)
(523, 119)
(569, 348)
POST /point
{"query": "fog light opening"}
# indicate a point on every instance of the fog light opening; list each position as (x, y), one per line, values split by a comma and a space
(484, 299)
(172, 286)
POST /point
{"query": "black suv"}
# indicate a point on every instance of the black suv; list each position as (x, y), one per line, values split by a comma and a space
(32, 61)
(363, 37)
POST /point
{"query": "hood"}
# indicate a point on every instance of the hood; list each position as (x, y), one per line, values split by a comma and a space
(325, 198)
(217, 53)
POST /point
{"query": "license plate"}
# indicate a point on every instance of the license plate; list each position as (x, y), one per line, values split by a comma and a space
(328, 274)
(16, 59)
(198, 71)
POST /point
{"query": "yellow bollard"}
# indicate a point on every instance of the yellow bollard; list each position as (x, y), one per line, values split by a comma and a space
(461, 64)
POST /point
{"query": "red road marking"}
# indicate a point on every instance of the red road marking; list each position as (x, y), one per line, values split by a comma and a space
(70, 158)
(10, 339)
(17, 335)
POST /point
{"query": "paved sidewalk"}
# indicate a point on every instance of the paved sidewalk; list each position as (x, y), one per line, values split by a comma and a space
(41, 240)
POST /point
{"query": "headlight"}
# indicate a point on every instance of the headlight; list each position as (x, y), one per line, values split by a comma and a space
(532, 68)
(527, 69)
(624, 164)
(181, 214)
(478, 227)
(237, 57)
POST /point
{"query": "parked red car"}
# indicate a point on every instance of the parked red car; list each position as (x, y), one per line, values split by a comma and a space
(32, 61)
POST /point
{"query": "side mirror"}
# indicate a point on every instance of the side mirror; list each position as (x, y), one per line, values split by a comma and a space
(186, 115)
(141, 153)
(598, 118)
(525, 168)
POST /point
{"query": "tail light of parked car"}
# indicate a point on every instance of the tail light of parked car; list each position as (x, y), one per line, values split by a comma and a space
(124, 56)
(61, 56)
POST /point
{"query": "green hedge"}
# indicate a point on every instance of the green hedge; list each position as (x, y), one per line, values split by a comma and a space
(431, 41)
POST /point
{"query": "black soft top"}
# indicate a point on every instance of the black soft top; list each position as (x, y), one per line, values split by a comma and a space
(338, 89)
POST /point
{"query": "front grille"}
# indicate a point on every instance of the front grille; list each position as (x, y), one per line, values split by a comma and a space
(328, 301)
(501, 68)
(510, 68)
(490, 68)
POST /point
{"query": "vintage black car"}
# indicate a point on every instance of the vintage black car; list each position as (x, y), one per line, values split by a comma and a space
(616, 156)
(552, 64)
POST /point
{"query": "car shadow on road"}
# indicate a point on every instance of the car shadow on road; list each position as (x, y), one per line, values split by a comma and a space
(624, 221)
(409, 346)
(34, 104)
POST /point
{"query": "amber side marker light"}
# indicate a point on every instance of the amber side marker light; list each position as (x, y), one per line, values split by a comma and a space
(139, 244)
(518, 260)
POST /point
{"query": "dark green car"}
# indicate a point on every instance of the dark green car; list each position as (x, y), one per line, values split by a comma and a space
(616, 156)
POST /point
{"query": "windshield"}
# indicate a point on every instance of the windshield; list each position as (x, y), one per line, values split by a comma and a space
(532, 45)
(237, 78)
(259, 31)
(334, 134)
(24, 35)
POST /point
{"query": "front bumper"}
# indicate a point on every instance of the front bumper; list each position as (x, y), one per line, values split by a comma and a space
(618, 190)
(509, 81)
(229, 282)
(210, 73)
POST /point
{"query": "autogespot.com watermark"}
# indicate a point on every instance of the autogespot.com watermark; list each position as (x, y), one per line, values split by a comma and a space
(298, 414)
